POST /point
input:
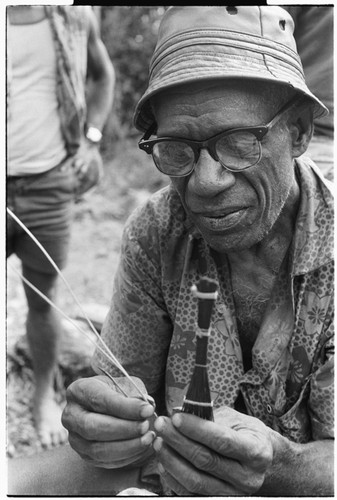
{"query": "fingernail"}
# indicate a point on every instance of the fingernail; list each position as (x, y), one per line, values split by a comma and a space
(148, 438)
(161, 469)
(146, 411)
(157, 444)
(159, 424)
(144, 426)
(151, 400)
(176, 420)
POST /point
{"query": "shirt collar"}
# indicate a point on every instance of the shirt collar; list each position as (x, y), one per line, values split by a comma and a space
(313, 241)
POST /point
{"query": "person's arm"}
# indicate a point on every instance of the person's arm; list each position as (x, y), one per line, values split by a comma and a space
(107, 429)
(307, 469)
(300, 469)
(238, 455)
(99, 97)
(101, 78)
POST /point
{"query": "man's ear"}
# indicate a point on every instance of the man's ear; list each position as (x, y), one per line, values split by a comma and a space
(301, 130)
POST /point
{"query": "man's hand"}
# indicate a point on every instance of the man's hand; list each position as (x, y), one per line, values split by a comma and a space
(227, 457)
(106, 428)
(88, 167)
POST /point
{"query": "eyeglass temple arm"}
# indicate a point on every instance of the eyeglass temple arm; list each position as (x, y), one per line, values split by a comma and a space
(150, 131)
(295, 101)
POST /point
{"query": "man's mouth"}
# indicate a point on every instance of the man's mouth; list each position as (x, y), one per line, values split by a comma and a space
(217, 221)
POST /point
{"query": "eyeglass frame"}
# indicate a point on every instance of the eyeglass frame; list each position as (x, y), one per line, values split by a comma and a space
(146, 144)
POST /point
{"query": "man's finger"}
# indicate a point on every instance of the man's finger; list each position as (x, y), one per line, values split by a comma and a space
(180, 473)
(94, 395)
(124, 452)
(100, 427)
(206, 459)
(244, 444)
(78, 164)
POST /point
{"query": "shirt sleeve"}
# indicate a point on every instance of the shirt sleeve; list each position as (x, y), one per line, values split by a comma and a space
(137, 329)
(321, 400)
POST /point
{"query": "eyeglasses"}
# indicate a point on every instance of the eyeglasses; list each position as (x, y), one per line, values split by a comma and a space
(235, 149)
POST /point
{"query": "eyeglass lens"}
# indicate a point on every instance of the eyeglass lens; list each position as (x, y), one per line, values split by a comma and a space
(236, 151)
(173, 157)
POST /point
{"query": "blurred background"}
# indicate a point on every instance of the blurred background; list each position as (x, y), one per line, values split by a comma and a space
(129, 34)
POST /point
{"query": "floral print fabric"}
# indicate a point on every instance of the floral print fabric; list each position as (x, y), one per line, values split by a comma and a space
(150, 326)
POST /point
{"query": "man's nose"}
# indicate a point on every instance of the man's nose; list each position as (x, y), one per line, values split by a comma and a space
(209, 177)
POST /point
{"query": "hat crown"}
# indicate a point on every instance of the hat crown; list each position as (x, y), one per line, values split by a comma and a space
(265, 21)
(212, 43)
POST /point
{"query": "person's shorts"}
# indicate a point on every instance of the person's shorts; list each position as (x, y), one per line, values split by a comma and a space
(43, 202)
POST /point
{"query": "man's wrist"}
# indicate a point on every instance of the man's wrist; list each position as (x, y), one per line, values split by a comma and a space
(281, 454)
(299, 469)
(93, 135)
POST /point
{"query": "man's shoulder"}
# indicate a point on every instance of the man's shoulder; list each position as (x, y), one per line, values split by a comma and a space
(312, 180)
(162, 211)
(313, 242)
(155, 232)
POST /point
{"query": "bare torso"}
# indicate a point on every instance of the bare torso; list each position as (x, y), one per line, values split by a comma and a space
(251, 293)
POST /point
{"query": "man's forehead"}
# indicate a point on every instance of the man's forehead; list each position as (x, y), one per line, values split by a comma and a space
(207, 93)
(204, 110)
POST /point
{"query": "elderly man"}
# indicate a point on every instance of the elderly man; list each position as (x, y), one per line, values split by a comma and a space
(226, 115)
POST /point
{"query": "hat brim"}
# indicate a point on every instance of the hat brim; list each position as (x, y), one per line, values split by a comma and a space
(221, 65)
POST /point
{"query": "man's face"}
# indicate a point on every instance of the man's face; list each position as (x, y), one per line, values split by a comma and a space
(233, 211)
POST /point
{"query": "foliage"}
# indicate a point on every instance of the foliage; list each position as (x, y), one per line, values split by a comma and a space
(129, 33)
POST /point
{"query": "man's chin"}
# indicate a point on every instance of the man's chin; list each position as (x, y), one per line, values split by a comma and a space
(234, 242)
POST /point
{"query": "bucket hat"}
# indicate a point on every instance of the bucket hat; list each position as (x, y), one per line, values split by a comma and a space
(212, 43)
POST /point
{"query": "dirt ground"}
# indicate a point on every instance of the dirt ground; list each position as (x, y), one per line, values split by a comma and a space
(99, 218)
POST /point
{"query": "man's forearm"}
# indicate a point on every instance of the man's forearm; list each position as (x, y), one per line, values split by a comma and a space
(99, 99)
(300, 469)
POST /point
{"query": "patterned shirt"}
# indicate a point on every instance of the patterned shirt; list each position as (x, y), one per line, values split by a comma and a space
(151, 323)
(70, 28)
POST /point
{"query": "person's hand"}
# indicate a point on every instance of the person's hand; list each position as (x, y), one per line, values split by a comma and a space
(107, 428)
(88, 167)
(227, 457)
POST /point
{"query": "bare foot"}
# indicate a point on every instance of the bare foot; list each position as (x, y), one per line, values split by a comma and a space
(47, 418)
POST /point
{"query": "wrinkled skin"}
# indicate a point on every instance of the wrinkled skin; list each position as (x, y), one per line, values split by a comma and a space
(233, 211)
(227, 457)
(235, 455)
(106, 428)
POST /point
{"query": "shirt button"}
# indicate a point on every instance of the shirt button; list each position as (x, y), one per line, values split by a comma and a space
(269, 409)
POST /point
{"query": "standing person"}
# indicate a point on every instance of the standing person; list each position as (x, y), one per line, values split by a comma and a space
(53, 130)
(227, 115)
(314, 38)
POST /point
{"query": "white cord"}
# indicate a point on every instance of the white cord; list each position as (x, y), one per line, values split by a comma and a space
(108, 352)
